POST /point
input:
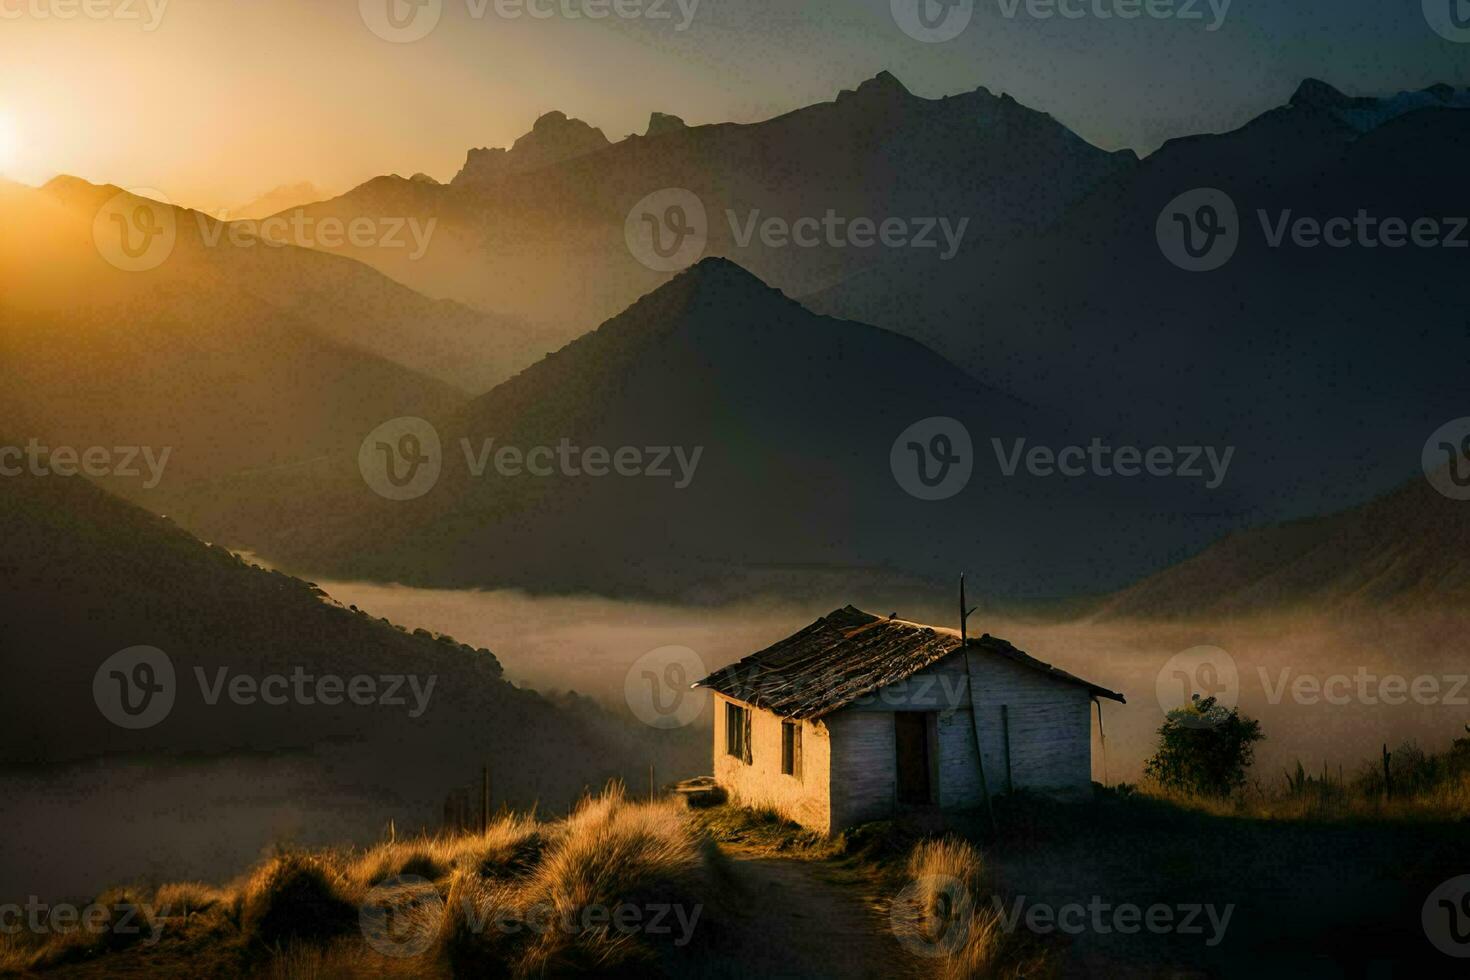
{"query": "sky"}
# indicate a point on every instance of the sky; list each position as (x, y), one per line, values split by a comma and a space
(214, 102)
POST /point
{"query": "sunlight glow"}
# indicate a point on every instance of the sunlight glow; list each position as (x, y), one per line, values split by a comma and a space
(9, 143)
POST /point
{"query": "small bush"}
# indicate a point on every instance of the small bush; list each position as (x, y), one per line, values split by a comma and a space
(297, 897)
(1205, 749)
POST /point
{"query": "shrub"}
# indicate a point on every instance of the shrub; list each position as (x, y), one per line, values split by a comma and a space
(1205, 749)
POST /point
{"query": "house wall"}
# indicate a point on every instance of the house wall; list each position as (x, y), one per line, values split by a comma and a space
(1050, 737)
(1050, 724)
(761, 783)
(850, 766)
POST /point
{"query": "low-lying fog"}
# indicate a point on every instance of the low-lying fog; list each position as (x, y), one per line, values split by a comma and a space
(1325, 687)
(79, 829)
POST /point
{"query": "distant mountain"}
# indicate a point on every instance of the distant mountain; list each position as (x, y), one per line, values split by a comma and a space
(209, 357)
(1404, 549)
(276, 200)
(538, 230)
(552, 139)
(1326, 366)
(343, 301)
(87, 575)
(787, 423)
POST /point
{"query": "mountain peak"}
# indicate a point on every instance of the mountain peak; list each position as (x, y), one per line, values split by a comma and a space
(660, 123)
(716, 283)
(721, 275)
(554, 137)
(883, 85)
(1315, 92)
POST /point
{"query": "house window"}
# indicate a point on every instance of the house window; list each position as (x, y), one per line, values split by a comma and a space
(791, 748)
(737, 732)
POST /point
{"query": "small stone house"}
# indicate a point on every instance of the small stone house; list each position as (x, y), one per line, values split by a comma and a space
(858, 718)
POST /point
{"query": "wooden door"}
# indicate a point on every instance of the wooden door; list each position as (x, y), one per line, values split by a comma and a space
(911, 737)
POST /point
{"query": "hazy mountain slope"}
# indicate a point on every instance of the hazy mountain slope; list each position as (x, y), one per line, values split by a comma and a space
(794, 417)
(1406, 548)
(509, 235)
(278, 199)
(342, 300)
(88, 575)
(1320, 364)
(185, 357)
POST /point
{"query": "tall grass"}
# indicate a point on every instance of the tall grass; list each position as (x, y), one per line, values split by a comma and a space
(946, 914)
(524, 898)
(1418, 786)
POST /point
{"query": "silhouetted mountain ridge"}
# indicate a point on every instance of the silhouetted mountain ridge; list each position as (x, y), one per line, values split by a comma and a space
(776, 430)
(876, 151)
(88, 575)
(1402, 550)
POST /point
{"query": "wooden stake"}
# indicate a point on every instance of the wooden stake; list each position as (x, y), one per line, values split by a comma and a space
(1005, 730)
(974, 706)
(650, 783)
(484, 798)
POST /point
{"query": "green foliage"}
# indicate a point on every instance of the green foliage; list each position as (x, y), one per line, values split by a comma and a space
(1204, 748)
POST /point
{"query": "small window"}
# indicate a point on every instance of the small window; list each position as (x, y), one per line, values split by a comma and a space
(737, 732)
(791, 748)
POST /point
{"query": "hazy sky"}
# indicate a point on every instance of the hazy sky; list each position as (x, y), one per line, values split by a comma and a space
(223, 99)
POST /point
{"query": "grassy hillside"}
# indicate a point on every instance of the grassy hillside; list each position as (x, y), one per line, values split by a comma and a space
(618, 888)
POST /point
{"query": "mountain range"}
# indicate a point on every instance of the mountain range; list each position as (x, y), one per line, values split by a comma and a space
(1326, 367)
(515, 223)
(776, 431)
(1059, 322)
(234, 354)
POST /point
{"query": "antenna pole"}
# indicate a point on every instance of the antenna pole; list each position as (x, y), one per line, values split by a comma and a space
(975, 709)
(965, 615)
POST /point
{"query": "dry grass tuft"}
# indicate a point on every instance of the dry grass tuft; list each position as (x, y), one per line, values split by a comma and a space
(611, 854)
(525, 898)
(946, 913)
(298, 897)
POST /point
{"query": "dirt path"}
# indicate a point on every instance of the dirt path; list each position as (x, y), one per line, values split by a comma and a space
(799, 924)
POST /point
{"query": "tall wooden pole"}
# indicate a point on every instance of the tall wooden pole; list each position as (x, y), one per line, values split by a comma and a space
(974, 704)
(484, 798)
